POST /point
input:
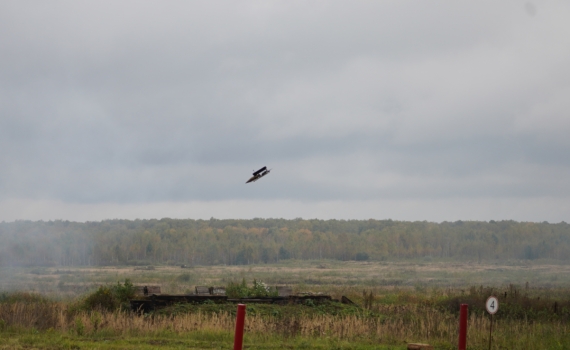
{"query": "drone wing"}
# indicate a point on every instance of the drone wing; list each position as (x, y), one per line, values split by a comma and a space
(259, 171)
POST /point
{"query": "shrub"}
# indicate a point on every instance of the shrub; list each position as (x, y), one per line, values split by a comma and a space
(124, 292)
(110, 298)
(79, 327)
(237, 290)
(260, 289)
(241, 290)
(103, 299)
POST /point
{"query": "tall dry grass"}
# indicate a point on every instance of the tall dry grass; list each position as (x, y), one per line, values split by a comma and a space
(400, 324)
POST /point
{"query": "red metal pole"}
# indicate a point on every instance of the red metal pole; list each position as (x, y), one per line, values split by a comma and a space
(463, 327)
(240, 320)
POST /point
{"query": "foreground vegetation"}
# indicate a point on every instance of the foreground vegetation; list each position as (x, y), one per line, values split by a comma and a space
(384, 319)
(399, 302)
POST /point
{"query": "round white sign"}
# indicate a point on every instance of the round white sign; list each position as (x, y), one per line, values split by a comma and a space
(492, 305)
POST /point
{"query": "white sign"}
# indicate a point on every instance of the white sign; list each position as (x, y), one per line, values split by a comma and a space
(492, 305)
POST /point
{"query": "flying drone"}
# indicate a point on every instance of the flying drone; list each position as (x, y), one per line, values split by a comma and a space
(258, 174)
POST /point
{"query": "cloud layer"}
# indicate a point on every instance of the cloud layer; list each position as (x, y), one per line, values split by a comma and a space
(139, 103)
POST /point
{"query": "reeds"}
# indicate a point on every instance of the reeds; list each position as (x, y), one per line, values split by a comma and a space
(403, 323)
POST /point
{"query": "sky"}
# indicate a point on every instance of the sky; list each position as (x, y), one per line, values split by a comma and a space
(403, 110)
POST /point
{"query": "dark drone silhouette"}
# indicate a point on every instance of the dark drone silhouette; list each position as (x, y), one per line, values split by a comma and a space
(259, 174)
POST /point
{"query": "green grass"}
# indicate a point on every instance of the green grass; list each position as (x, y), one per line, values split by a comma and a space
(26, 339)
(269, 310)
(542, 337)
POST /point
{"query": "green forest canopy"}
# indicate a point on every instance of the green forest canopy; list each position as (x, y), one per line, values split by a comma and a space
(236, 242)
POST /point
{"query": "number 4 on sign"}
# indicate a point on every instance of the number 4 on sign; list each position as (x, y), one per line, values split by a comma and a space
(492, 306)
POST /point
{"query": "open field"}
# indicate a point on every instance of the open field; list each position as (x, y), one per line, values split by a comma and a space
(408, 302)
(318, 275)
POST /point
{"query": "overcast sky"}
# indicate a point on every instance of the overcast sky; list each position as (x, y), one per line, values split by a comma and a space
(410, 110)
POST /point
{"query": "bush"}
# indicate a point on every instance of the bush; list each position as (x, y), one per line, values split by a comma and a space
(260, 289)
(124, 292)
(79, 327)
(241, 290)
(103, 299)
(110, 298)
(237, 290)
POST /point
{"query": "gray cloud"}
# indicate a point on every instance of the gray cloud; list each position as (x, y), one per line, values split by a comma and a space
(141, 102)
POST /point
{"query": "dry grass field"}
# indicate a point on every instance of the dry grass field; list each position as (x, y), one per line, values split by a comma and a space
(408, 302)
(412, 318)
(321, 275)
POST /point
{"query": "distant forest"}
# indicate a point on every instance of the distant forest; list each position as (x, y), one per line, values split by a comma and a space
(240, 242)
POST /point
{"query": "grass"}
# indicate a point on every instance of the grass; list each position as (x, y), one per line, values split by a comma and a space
(195, 340)
(411, 302)
(391, 319)
(316, 275)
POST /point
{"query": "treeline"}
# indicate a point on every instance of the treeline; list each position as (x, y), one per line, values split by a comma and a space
(237, 242)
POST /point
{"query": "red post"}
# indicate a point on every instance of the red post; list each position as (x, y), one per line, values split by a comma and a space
(240, 320)
(463, 327)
